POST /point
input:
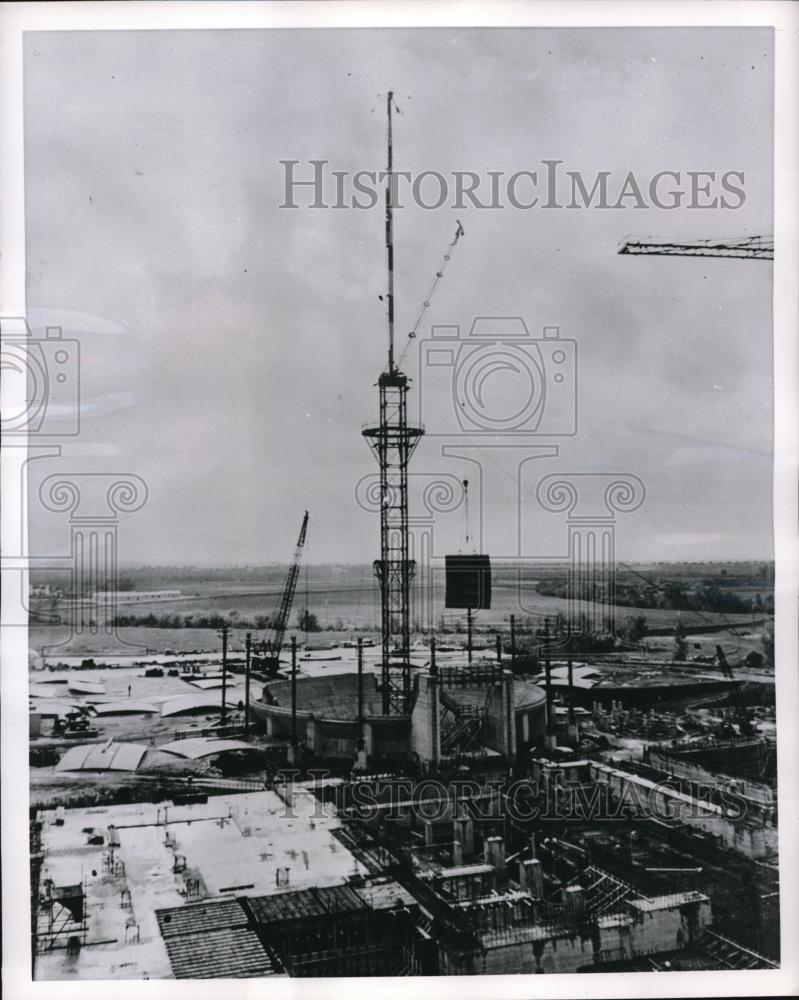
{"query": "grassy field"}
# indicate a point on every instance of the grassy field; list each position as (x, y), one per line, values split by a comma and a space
(346, 599)
(141, 641)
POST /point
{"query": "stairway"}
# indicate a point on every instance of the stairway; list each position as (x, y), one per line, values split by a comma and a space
(465, 731)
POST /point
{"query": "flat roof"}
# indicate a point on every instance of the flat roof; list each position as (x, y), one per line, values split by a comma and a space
(668, 902)
(460, 870)
(385, 894)
(235, 844)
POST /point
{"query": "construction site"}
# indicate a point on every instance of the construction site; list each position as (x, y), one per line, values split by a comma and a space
(409, 802)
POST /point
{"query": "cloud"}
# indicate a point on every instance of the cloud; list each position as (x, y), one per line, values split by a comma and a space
(240, 318)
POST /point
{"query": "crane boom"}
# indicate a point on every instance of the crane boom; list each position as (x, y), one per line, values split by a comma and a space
(725, 667)
(746, 247)
(273, 648)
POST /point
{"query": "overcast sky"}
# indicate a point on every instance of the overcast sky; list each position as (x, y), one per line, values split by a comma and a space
(241, 342)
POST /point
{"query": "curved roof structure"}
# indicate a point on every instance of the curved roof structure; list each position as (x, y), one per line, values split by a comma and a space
(45, 691)
(203, 746)
(584, 676)
(52, 707)
(333, 697)
(85, 687)
(527, 694)
(124, 708)
(107, 756)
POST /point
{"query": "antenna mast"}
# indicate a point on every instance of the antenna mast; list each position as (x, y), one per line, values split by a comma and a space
(393, 442)
(390, 236)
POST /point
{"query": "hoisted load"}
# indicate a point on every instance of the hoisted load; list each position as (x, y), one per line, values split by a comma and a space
(468, 577)
(468, 582)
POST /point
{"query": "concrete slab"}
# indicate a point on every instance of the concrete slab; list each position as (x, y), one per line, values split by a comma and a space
(233, 845)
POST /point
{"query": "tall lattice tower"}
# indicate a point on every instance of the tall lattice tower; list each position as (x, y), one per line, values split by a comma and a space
(393, 443)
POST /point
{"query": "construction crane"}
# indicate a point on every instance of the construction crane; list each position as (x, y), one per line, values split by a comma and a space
(744, 247)
(269, 659)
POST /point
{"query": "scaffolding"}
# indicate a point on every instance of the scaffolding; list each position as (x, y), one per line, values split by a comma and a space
(63, 912)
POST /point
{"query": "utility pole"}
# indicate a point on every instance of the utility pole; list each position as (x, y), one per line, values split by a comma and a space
(571, 693)
(248, 653)
(499, 648)
(512, 638)
(360, 744)
(548, 681)
(572, 723)
(223, 632)
(469, 634)
(294, 699)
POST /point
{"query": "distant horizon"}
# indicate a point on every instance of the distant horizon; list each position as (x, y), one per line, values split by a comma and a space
(496, 563)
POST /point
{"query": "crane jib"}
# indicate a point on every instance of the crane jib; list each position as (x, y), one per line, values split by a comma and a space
(281, 622)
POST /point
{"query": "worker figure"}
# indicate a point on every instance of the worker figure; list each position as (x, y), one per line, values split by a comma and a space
(128, 690)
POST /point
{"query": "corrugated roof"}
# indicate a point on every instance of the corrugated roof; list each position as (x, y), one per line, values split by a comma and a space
(304, 903)
(234, 953)
(102, 757)
(212, 941)
(199, 918)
